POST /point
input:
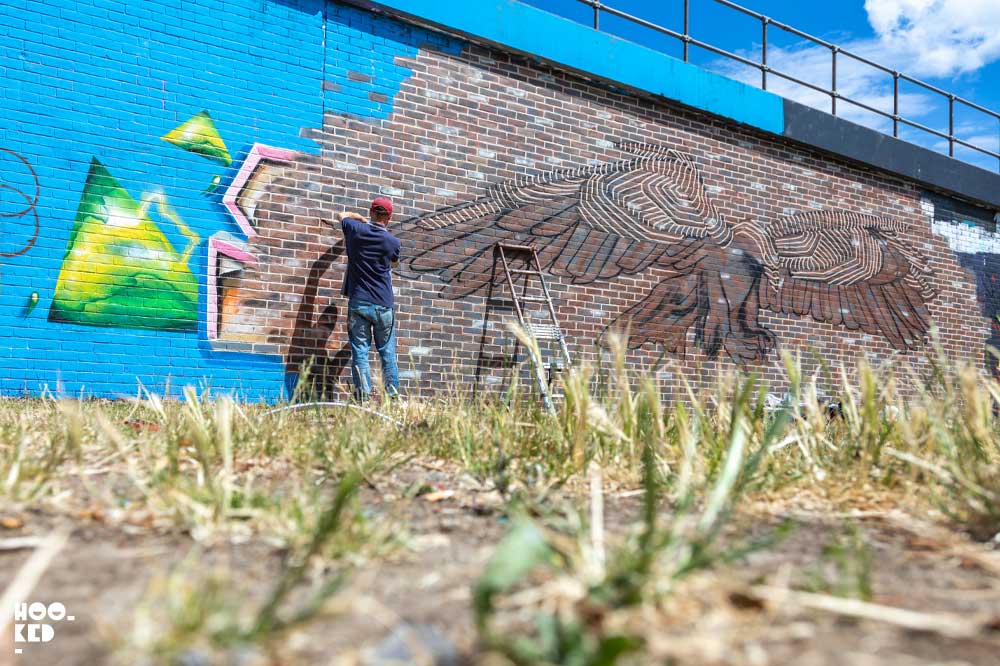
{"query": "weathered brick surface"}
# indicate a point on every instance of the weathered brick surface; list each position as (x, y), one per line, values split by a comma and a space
(462, 123)
(169, 179)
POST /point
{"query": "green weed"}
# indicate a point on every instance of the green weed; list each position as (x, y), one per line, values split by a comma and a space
(844, 568)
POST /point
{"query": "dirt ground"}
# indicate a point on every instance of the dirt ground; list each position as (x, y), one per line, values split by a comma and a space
(714, 618)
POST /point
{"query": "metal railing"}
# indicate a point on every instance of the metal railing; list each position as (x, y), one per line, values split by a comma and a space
(836, 53)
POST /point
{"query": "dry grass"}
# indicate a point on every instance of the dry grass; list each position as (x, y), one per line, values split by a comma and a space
(559, 590)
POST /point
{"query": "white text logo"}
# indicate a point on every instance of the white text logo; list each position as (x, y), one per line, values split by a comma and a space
(29, 626)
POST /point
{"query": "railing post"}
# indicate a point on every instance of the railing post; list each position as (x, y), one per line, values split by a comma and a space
(895, 104)
(951, 125)
(763, 52)
(833, 79)
(687, 33)
(897, 119)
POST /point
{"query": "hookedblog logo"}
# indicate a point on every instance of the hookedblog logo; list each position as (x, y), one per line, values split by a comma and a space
(31, 622)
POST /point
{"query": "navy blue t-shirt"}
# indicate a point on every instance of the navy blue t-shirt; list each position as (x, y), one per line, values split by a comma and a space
(371, 250)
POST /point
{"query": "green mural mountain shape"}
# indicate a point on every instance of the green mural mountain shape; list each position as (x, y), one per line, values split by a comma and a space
(199, 135)
(119, 269)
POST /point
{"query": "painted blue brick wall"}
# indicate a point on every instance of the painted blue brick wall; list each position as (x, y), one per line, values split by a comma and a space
(106, 79)
(369, 44)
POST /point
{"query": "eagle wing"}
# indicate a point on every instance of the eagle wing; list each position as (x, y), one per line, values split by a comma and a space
(587, 225)
(848, 269)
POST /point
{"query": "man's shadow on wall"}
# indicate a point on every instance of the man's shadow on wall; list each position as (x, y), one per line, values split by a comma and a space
(312, 370)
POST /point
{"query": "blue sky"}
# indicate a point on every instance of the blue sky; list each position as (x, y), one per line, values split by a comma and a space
(951, 44)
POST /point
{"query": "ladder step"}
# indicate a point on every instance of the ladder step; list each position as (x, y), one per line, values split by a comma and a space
(545, 331)
(509, 302)
(521, 271)
(513, 247)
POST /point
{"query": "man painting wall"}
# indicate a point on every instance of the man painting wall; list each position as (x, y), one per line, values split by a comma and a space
(372, 252)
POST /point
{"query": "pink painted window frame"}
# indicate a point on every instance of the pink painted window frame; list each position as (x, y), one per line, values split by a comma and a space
(216, 246)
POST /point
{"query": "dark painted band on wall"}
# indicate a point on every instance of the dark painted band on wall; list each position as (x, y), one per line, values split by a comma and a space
(821, 130)
(515, 27)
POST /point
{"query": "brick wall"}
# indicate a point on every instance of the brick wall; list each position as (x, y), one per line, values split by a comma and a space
(196, 247)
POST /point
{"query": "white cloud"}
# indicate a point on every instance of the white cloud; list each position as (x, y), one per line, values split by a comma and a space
(921, 38)
(855, 80)
(937, 37)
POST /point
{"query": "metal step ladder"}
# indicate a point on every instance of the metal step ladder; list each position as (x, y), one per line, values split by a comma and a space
(549, 330)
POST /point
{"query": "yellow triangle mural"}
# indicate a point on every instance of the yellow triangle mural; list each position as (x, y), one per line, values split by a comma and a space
(198, 135)
(119, 269)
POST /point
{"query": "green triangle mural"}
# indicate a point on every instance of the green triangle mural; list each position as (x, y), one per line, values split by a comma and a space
(199, 135)
(119, 269)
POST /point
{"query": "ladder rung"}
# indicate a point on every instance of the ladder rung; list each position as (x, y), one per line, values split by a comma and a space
(516, 248)
(545, 331)
(533, 299)
(521, 271)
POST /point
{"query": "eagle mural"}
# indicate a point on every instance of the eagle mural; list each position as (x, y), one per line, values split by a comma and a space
(653, 210)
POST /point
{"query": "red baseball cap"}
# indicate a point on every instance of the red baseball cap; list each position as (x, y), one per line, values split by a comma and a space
(383, 203)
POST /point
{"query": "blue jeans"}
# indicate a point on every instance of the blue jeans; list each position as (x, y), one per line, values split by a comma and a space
(366, 321)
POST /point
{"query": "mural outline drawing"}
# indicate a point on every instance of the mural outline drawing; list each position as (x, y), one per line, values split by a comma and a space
(653, 210)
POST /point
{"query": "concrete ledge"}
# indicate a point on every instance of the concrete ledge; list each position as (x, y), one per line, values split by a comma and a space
(818, 129)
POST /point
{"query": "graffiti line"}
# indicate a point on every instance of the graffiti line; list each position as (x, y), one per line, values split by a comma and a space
(716, 274)
(31, 202)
